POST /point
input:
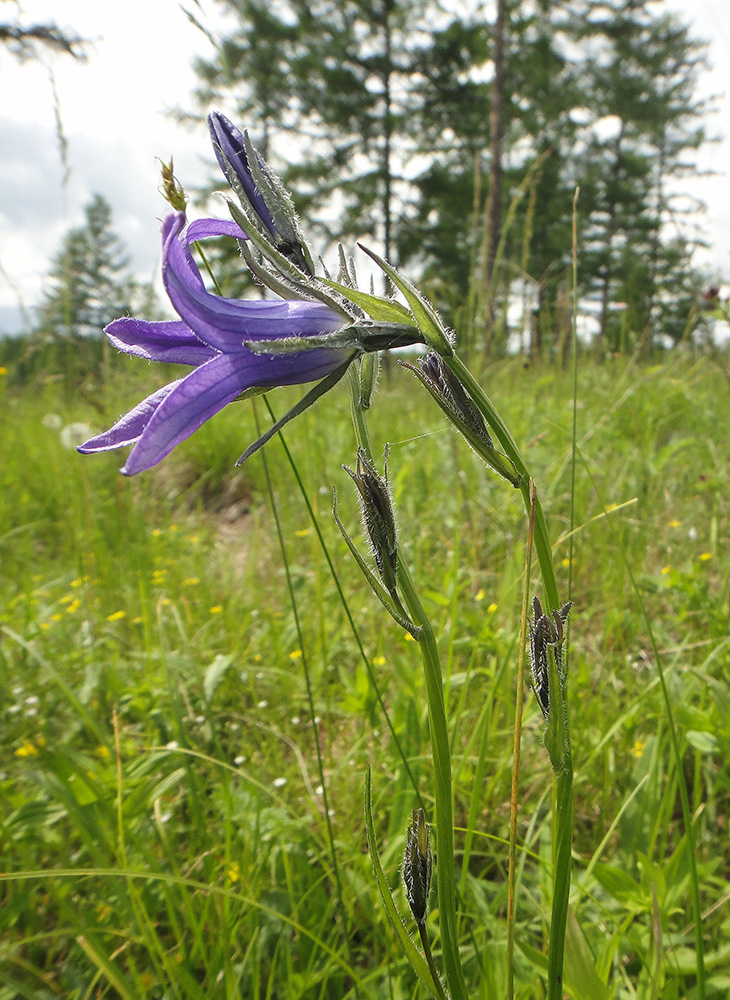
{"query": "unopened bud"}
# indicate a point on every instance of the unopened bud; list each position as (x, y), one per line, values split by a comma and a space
(446, 389)
(418, 865)
(547, 635)
(378, 517)
(547, 638)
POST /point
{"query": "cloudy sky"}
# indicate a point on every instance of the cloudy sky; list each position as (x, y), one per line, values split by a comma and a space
(114, 112)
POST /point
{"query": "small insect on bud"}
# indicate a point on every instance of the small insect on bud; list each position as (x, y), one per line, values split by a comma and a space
(378, 517)
(546, 635)
(172, 190)
(418, 865)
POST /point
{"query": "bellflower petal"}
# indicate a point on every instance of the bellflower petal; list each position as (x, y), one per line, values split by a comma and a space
(129, 428)
(205, 391)
(172, 341)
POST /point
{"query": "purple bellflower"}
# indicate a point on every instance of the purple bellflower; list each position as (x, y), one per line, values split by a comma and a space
(264, 198)
(212, 335)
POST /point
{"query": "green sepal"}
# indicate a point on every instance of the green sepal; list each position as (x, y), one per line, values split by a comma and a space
(425, 315)
(304, 403)
(383, 310)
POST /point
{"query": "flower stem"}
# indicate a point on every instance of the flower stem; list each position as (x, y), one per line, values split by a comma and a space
(563, 816)
(442, 784)
(429, 959)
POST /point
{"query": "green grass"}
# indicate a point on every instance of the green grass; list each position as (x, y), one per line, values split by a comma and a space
(160, 816)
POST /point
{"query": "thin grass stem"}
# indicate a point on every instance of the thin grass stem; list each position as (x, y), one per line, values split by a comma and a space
(519, 705)
(308, 685)
(676, 754)
(343, 600)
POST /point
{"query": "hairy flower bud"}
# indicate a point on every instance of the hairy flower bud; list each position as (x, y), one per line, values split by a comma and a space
(378, 517)
(446, 389)
(262, 194)
(547, 637)
(418, 865)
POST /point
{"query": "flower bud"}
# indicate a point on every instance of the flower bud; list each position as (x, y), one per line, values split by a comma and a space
(378, 518)
(547, 637)
(453, 399)
(417, 866)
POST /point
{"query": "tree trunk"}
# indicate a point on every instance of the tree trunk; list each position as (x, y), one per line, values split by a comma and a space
(610, 233)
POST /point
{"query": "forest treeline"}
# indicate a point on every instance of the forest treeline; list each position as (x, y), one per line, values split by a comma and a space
(452, 139)
(454, 136)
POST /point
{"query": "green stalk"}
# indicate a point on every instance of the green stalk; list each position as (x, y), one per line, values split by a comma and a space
(440, 746)
(485, 406)
(443, 793)
(563, 819)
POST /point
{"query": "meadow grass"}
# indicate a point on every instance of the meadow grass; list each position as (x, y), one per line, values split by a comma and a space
(163, 823)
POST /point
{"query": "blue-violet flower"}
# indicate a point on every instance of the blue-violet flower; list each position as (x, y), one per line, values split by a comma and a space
(210, 336)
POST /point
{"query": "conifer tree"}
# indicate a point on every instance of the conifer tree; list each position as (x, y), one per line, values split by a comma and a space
(642, 80)
(89, 282)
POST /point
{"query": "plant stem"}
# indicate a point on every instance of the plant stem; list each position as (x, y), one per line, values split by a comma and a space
(426, 945)
(442, 784)
(563, 817)
(543, 547)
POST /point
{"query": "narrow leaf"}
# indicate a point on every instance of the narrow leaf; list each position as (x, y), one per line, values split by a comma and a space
(304, 403)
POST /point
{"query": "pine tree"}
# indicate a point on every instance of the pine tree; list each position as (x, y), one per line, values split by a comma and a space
(328, 82)
(642, 79)
(89, 282)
